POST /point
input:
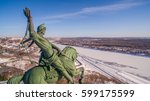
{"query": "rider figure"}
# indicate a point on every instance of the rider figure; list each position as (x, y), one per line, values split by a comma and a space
(47, 48)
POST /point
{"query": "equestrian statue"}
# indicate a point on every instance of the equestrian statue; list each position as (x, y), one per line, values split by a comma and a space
(53, 64)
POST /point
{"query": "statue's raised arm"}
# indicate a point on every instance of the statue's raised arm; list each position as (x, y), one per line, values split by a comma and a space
(29, 18)
(37, 37)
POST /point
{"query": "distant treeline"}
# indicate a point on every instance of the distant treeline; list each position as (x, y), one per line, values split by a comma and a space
(138, 46)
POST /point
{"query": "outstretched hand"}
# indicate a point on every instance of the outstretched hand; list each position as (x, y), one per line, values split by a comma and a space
(27, 13)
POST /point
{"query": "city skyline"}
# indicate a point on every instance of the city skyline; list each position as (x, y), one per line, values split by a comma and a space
(78, 18)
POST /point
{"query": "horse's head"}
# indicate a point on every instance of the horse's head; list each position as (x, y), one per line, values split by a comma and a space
(70, 52)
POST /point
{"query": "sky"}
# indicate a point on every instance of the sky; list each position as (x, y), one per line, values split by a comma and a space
(77, 18)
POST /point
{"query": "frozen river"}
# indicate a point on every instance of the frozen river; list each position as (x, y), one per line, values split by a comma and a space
(125, 67)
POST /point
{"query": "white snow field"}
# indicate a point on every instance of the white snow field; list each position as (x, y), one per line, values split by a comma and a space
(124, 67)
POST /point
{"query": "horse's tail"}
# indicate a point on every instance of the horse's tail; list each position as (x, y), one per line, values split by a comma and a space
(15, 80)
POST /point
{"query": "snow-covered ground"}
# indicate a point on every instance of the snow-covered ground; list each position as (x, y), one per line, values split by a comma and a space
(125, 67)
(2, 60)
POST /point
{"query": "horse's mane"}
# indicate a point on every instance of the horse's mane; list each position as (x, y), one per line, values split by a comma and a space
(70, 52)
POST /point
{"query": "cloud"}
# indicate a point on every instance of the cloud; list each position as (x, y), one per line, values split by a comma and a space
(96, 9)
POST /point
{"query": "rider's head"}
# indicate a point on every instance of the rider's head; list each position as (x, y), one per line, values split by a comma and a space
(41, 29)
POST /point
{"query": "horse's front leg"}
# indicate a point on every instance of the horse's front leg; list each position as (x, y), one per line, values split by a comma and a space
(79, 72)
